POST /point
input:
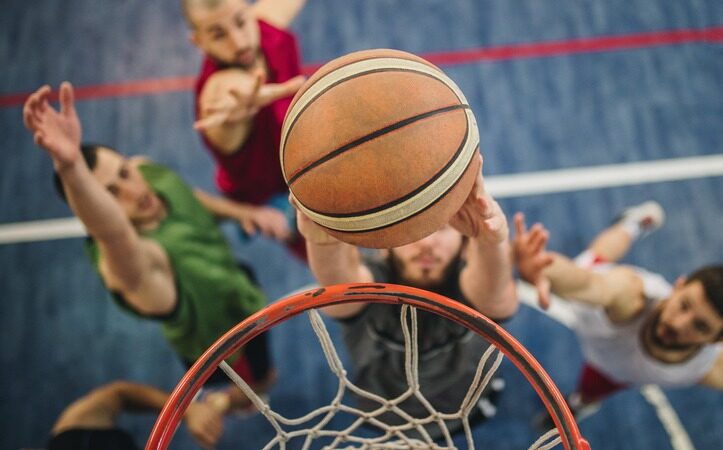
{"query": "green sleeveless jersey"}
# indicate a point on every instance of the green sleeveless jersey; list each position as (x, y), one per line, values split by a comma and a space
(213, 294)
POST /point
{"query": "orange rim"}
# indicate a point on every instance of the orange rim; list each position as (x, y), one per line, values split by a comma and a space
(278, 312)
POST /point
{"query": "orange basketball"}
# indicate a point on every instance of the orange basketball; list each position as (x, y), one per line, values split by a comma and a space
(379, 147)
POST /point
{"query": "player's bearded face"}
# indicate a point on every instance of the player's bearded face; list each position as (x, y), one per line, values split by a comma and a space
(427, 262)
(687, 318)
(228, 33)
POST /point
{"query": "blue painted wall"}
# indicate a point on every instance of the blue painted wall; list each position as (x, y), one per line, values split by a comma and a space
(60, 334)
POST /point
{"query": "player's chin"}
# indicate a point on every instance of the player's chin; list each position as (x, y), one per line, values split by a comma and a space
(244, 60)
(426, 281)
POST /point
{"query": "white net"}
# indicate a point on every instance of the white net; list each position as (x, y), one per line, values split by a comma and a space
(412, 434)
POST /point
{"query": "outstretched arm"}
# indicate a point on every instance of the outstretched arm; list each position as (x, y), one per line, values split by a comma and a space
(136, 267)
(279, 13)
(269, 221)
(229, 101)
(531, 258)
(486, 280)
(332, 262)
(100, 408)
(619, 290)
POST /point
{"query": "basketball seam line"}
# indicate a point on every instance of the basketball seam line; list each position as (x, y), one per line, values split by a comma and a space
(409, 195)
(416, 213)
(311, 101)
(371, 136)
(424, 198)
(397, 215)
(287, 132)
(369, 58)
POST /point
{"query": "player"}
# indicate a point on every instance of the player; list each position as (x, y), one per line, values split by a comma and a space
(155, 244)
(467, 260)
(633, 326)
(89, 423)
(250, 71)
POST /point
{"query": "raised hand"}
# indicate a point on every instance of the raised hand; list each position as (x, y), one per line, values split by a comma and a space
(312, 232)
(481, 217)
(244, 100)
(531, 258)
(269, 221)
(205, 424)
(58, 132)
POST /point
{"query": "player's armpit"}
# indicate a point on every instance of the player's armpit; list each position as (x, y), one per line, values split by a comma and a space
(143, 277)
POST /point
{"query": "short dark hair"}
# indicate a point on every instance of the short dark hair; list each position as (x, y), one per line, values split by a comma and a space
(711, 277)
(90, 156)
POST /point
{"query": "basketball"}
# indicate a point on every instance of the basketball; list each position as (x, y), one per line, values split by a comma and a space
(379, 147)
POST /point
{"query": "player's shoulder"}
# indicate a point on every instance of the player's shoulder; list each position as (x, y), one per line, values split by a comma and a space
(626, 289)
(279, 14)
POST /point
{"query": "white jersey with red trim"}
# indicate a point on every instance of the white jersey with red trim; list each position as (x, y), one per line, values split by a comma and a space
(617, 351)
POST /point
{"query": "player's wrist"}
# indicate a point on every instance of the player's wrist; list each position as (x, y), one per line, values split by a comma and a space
(67, 166)
(219, 401)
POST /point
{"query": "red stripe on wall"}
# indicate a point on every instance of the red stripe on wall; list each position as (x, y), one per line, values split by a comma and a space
(585, 45)
(501, 53)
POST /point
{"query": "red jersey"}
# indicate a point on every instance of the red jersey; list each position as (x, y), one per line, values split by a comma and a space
(253, 173)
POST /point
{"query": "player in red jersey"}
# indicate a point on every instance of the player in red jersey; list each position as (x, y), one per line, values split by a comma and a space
(249, 74)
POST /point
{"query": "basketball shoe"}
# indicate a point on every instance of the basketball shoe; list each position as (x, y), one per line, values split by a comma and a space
(641, 220)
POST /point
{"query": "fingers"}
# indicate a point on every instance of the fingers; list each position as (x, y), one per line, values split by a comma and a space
(29, 115)
(222, 103)
(478, 190)
(67, 99)
(270, 222)
(259, 79)
(494, 224)
(205, 424)
(204, 439)
(543, 292)
(546, 260)
(260, 75)
(275, 228)
(211, 121)
(480, 181)
(292, 86)
(207, 438)
(537, 238)
(43, 98)
(248, 227)
(247, 97)
(39, 139)
(272, 92)
(520, 228)
(34, 106)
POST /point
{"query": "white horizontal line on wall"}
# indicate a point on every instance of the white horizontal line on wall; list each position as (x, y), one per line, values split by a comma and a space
(595, 177)
(500, 186)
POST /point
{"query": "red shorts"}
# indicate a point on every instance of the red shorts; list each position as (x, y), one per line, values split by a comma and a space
(594, 386)
(254, 364)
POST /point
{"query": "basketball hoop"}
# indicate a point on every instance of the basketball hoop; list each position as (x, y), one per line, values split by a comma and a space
(566, 430)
